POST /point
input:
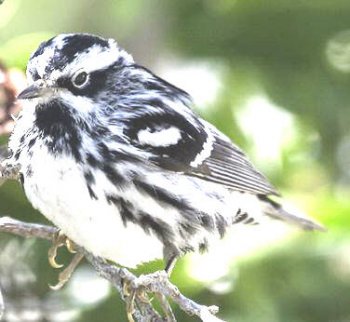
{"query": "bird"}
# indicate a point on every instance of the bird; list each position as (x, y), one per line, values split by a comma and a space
(117, 158)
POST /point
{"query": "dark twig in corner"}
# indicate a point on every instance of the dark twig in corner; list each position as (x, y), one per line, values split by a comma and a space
(157, 283)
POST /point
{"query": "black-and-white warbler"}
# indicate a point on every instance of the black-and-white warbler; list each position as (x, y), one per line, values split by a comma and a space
(115, 157)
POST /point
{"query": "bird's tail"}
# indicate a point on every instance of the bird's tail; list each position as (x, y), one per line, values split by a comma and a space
(276, 211)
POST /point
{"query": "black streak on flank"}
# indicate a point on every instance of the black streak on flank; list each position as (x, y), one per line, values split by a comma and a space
(207, 222)
(113, 155)
(91, 193)
(203, 246)
(17, 154)
(31, 143)
(162, 195)
(186, 230)
(108, 165)
(160, 228)
(193, 217)
(126, 212)
(113, 175)
(240, 217)
(29, 171)
(250, 221)
(90, 180)
(91, 160)
(125, 209)
(21, 179)
(55, 122)
(148, 223)
(221, 225)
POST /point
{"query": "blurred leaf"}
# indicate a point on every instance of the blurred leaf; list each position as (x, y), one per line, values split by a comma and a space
(8, 11)
(16, 52)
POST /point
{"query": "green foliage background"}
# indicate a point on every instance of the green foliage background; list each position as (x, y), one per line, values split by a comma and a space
(281, 48)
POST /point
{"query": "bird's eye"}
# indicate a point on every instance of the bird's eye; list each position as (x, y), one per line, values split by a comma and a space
(80, 79)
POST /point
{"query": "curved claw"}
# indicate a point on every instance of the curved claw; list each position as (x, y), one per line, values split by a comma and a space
(70, 245)
(52, 254)
(57, 287)
(130, 317)
(66, 274)
(130, 310)
(131, 294)
(53, 263)
(58, 241)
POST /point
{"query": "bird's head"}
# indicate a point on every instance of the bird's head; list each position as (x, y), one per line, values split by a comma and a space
(74, 68)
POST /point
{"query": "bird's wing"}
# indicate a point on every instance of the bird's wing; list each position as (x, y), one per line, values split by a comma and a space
(189, 145)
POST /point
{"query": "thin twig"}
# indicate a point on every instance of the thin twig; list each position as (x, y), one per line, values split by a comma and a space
(28, 230)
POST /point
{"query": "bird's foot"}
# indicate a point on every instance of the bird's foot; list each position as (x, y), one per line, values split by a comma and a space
(61, 240)
(133, 293)
(138, 289)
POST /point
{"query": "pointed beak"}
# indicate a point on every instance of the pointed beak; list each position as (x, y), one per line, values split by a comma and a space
(35, 90)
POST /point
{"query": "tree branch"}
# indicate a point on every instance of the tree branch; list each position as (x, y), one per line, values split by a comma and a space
(157, 282)
(107, 271)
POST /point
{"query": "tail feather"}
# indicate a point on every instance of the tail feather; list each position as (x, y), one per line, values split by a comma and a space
(275, 210)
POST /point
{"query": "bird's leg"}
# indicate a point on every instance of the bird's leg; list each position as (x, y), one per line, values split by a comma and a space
(61, 240)
(166, 307)
(129, 303)
(137, 290)
(132, 293)
(58, 241)
(170, 264)
(66, 274)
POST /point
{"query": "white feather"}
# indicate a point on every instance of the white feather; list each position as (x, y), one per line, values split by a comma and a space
(161, 138)
(206, 151)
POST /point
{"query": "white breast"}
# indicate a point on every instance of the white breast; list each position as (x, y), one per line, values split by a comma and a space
(58, 189)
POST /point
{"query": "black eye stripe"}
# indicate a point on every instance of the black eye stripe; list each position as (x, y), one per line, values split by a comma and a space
(96, 82)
